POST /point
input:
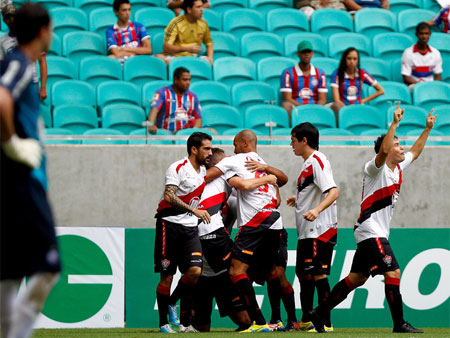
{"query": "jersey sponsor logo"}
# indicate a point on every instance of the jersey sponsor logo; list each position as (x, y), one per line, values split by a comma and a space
(306, 93)
(196, 253)
(352, 91)
(248, 252)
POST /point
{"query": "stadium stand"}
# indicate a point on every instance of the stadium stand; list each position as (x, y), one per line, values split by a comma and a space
(417, 132)
(225, 44)
(77, 118)
(322, 117)
(431, 94)
(46, 115)
(222, 6)
(269, 69)
(105, 132)
(98, 69)
(378, 68)
(339, 42)
(150, 139)
(154, 19)
(241, 21)
(337, 132)
(443, 122)
(329, 21)
(123, 117)
(393, 92)
(372, 132)
(260, 45)
(233, 70)
(256, 116)
(59, 131)
(211, 92)
(374, 21)
(357, 118)
(248, 93)
(414, 118)
(189, 131)
(397, 6)
(264, 6)
(59, 68)
(68, 19)
(110, 92)
(320, 44)
(234, 131)
(101, 19)
(221, 117)
(87, 6)
(79, 45)
(51, 4)
(390, 46)
(283, 21)
(143, 69)
(200, 69)
(214, 20)
(408, 19)
(55, 48)
(157, 41)
(73, 92)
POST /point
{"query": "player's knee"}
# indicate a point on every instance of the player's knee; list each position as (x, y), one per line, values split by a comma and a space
(166, 280)
(194, 273)
(357, 279)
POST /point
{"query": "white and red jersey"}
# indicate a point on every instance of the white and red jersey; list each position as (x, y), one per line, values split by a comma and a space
(257, 206)
(443, 16)
(313, 184)
(213, 200)
(421, 66)
(381, 189)
(190, 185)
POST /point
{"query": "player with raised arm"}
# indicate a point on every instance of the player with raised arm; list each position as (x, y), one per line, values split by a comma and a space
(374, 256)
(176, 241)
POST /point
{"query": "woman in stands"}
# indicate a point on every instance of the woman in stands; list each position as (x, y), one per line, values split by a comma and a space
(347, 81)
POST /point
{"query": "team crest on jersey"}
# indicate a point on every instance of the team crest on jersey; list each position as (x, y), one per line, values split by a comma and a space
(165, 263)
(395, 196)
(388, 260)
(187, 105)
(352, 90)
(314, 82)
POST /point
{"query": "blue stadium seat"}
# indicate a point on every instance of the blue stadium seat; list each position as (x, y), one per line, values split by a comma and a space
(358, 118)
(214, 20)
(142, 69)
(211, 92)
(73, 92)
(140, 4)
(101, 19)
(189, 131)
(270, 69)
(413, 118)
(59, 68)
(155, 19)
(200, 69)
(259, 45)
(79, 45)
(256, 116)
(291, 41)
(339, 42)
(431, 5)
(104, 132)
(87, 6)
(393, 92)
(110, 92)
(378, 68)
(373, 21)
(328, 65)
(51, 4)
(442, 123)
(265, 6)
(77, 118)
(123, 117)
(282, 132)
(222, 6)
(284, 21)
(157, 43)
(59, 131)
(390, 46)
(397, 6)
(150, 140)
(231, 70)
(418, 132)
(248, 93)
(241, 21)
(55, 48)
(337, 132)
(396, 70)
(409, 18)
(221, 117)
(320, 116)
(431, 94)
(68, 19)
(372, 132)
(46, 115)
(225, 44)
(329, 21)
(148, 91)
(98, 69)
(235, 131)
(441, 41)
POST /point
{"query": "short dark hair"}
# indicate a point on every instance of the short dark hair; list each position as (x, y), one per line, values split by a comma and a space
(179, 71)
(187, 4)
(117, 3)
(378, 141)
(216, 152)
(28, 21)
(309, 131)
(196, 140)
(421, 26)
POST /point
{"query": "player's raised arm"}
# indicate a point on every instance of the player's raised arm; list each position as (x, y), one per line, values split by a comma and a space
(253, 183)
(212, 173)
(418, 146)
(258, 166)
(388, 141)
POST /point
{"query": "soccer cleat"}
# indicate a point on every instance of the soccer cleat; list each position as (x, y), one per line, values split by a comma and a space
(166, 329)
(406, 328)
(278, 326)
(257, 328)
(186, 329)
(306, 326)
(329, 328)
(317, 321)
(173, 317)
(292, 326)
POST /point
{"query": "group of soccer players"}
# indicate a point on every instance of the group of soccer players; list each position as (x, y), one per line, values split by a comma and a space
(195, 215)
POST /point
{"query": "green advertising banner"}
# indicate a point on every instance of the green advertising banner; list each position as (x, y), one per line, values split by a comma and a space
(423, 255)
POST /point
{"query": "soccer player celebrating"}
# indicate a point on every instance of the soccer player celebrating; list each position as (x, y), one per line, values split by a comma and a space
(176, 242)
(28, 240)
(374, 256)
(316, 219)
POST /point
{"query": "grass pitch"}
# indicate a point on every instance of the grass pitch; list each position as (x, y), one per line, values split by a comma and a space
(219, 333)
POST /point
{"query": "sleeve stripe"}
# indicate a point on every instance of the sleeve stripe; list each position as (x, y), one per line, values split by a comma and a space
(11, 73)
(22, 83)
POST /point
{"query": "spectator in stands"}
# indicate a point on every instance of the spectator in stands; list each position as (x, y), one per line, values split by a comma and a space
(3, 4)
(356, 5)
(8, 43)
(442, 16)
(309, 6)
(421, 62)
(347, 81)
(303, 83)
(185, 33)
(176, 5)
(175, 107)
(126, 38)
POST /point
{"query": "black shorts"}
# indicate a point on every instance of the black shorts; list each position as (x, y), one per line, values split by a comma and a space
(282, 256)
(27, 231)
(313, 257)
(208, 288)
(216, 248)
(374, 256)
(176, 246)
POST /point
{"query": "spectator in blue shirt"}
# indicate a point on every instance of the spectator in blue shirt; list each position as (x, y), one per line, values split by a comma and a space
(356, 5)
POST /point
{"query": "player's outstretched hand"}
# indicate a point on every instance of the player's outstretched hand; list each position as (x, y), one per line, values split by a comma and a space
(431, 120)
(310, 215)
(255, 166)
(291, 201)
(203, 215)
(24, 150)
(398, 113)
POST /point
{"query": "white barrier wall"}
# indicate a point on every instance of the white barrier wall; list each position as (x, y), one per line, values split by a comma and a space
(122, 185)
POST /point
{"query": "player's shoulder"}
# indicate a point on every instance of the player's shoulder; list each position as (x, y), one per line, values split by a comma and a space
(178, 166)
(138, 25)
(288, 70)
(434, 50)
(319, 159)
(178, 20)
(17, 61)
